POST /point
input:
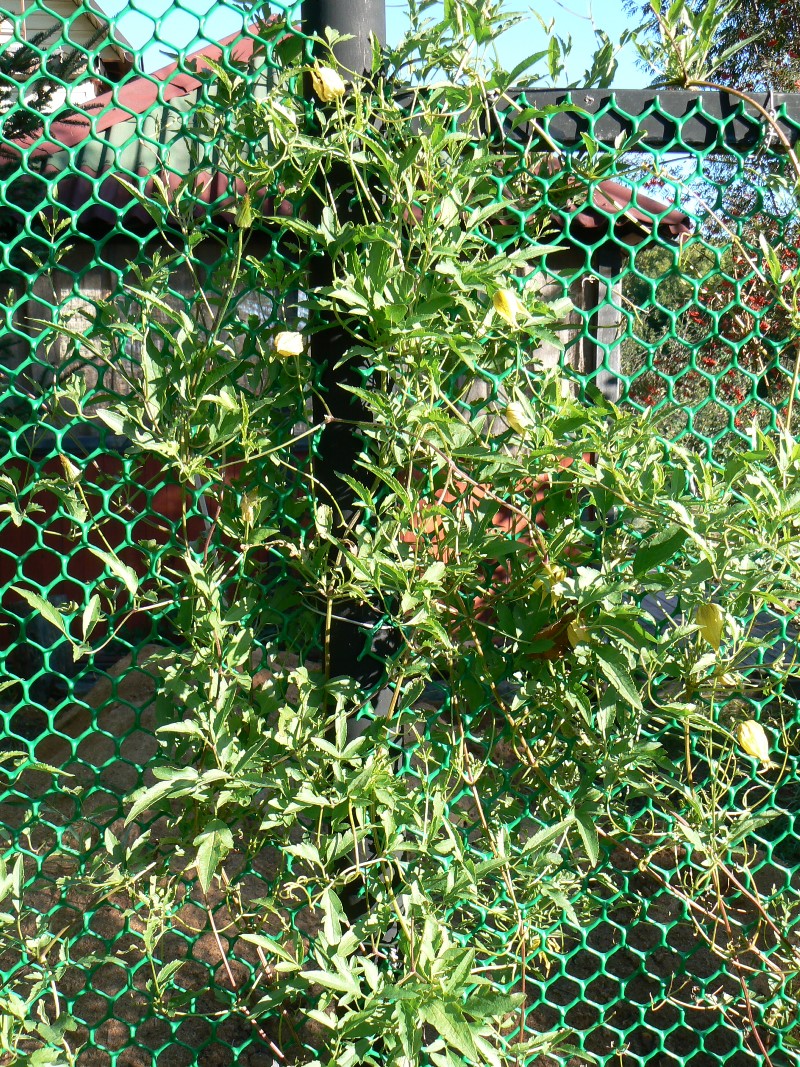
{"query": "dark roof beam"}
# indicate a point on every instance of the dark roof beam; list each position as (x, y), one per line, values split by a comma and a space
(670, 118)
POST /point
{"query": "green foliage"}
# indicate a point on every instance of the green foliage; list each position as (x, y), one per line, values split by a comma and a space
(35, 1028)
(730, 304)
(551, 576)
(755, 43)
(688, 48)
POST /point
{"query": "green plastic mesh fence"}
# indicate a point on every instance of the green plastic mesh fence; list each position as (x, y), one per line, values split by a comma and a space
(668, 314)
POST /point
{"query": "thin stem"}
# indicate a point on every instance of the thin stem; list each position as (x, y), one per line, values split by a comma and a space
(793, 390)
(248, 1015)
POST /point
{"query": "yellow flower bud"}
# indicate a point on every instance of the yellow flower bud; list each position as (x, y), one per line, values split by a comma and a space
(730, 681)
(753, 740)
(72, 474)
(244, 213)
(577, 634)
(555, 572)
(328, 85)
(711, 620)
(516, 417)
(248, 510)
(507, 305)
(289, 343)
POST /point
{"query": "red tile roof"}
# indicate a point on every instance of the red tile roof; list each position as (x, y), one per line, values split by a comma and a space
(134, 97)
(616, 208)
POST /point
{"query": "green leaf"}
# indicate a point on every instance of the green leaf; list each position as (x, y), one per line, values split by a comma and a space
(492, 1005)
(127, 575)
(614, 668)
(541, 841)
(215, 842)
(269, 944)
(459, 968)
(153, 209)
(152, 795)
(585, 820)
(449, 1022)
(434, 573)
(164, 974)
(46, 610)
(330, 980)
(113, 420)
(323, 520)
(408, 1031)
(184, 728)
(334, 917)
(48, 1057)
(658, 549)
(244, 213)
(91, 616)
(18, 878)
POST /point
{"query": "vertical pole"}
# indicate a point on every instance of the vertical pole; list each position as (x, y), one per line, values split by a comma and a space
(359, 18)
(339, 443)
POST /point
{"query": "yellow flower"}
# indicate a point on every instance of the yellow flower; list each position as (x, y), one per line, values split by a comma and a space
(328, 85)
(711, 620)
(507, 305)
(289, 343)
(753, 740)
(516, 417)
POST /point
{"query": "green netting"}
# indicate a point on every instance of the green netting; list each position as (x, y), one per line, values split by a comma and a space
(669, 314)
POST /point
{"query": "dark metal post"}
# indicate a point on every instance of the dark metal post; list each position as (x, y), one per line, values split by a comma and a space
(340, 445)
(361, 18)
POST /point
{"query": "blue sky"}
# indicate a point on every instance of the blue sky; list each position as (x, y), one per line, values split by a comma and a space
(182, 23)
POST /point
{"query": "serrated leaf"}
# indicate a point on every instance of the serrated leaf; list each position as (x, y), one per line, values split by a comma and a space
(45, 609)
(244, 213)
(215, 842)
(463, 963)
(331, 980)
(165, 973)
(127, 575)
(48, 768)
(47, 1057)
(585, 821)
(91, 616)
(269, 944)
(407, 1029)
(113, 420)
(450, 1024)
(615, 670)
(542, 839)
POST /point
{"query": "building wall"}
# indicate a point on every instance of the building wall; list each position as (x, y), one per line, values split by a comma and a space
(85, 32)
(31, 355)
